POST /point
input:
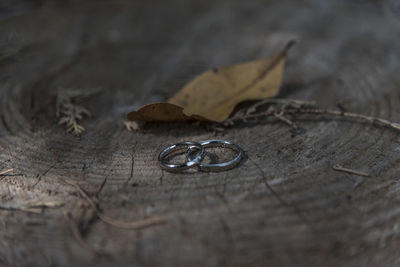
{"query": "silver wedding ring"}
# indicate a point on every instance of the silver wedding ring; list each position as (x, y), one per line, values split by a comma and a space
(195, 154)
(164, 164)
(223, 166)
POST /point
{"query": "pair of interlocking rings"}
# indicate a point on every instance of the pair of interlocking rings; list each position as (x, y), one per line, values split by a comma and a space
(195, 152)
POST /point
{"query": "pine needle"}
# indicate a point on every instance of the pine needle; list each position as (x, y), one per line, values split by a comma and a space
(117, 223)
(6, 172)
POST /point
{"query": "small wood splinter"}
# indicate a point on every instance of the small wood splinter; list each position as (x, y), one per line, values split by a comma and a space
(6, 171)
(337, 167)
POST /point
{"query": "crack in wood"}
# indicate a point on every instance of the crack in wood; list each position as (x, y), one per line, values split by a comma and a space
(39, 177)
(132, 164)
(295, 208)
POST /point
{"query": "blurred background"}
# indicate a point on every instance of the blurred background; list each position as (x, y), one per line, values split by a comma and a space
(287, 209)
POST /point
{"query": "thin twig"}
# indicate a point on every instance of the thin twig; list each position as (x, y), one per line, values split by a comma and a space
(6, 171)
(281, 107)
(117, 223)
(371, 119)
(288, 102)
(337, 167)
(279, 115)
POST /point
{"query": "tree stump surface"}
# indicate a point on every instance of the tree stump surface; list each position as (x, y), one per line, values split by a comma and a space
(283, 205)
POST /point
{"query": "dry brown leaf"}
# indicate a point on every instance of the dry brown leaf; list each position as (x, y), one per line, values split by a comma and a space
(161, 112)
(214, 94)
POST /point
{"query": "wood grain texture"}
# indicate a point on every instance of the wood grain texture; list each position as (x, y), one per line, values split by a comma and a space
(283, 206)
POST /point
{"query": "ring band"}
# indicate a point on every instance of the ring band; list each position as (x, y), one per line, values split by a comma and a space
(181, 166)
(223, 166)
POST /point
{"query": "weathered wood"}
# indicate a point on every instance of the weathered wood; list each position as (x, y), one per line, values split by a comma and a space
(283, 206)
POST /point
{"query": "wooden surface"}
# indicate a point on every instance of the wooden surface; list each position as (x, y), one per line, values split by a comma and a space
(283, 206)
